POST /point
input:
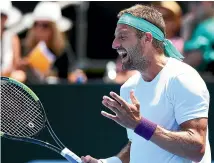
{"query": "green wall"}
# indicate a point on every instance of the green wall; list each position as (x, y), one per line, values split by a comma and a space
(74, 114)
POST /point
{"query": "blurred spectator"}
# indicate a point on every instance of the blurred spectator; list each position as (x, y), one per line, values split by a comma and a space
(47, 24)
(172, 15)
(77, 76)
(198, 32)
(10, 43)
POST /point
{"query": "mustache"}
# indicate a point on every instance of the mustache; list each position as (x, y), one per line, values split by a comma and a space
(121, 48)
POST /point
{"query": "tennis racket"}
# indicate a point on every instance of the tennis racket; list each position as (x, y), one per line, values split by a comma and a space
(23, 118)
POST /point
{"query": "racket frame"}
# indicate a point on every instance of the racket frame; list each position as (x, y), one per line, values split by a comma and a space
(65, 152)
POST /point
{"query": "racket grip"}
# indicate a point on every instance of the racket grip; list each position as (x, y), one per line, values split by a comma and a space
(70, 156)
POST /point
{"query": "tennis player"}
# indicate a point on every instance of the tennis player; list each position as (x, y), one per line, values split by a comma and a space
(165, 106)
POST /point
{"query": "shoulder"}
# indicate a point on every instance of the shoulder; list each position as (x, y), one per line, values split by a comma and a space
(177, 68)
(186, 79)
(191, 81)
(183, 75)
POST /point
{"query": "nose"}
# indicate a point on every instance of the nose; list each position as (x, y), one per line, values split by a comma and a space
(115, 44)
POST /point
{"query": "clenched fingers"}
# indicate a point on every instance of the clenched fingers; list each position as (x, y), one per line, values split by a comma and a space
(86, 159)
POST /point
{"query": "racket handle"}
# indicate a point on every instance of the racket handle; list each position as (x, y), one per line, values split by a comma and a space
(70, 156)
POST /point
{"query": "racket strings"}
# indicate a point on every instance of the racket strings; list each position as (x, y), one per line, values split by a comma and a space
(19, 131)
(21, 117)
(20, 113)
(8, 111)
(18, 121)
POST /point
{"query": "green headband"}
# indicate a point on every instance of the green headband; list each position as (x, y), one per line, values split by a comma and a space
(145, 26)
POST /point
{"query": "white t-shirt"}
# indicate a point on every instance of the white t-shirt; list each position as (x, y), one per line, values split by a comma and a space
(177, 94)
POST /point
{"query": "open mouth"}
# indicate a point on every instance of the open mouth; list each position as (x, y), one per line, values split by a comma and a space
(123, 54)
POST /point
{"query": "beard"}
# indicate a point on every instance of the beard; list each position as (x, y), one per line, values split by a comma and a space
(135, 60)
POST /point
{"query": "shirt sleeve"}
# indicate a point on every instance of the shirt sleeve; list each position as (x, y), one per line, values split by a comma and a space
(190, 97)
(124, 94)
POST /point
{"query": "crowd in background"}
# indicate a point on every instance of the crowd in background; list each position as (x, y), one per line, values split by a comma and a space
(191, 33)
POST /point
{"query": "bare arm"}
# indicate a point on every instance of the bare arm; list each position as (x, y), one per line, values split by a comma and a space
(16, 50)
(124, 154)
(188, 143)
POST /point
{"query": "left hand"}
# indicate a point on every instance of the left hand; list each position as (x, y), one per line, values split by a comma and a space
(127, 115)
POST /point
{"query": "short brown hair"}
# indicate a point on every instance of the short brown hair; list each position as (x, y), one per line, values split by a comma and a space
(151, 15)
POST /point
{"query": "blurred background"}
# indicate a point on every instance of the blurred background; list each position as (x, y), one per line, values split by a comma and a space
(62, 50)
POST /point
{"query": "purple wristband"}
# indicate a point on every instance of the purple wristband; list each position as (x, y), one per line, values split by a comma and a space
(145, 129)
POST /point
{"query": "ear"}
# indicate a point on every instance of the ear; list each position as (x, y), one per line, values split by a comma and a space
(148, 37)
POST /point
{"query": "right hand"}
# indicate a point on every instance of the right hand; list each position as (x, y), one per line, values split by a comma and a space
(89, 159)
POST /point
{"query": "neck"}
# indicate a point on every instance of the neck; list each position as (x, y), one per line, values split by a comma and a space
(156, 65)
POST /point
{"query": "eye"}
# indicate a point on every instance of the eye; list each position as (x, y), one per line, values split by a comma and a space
(122, 37)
